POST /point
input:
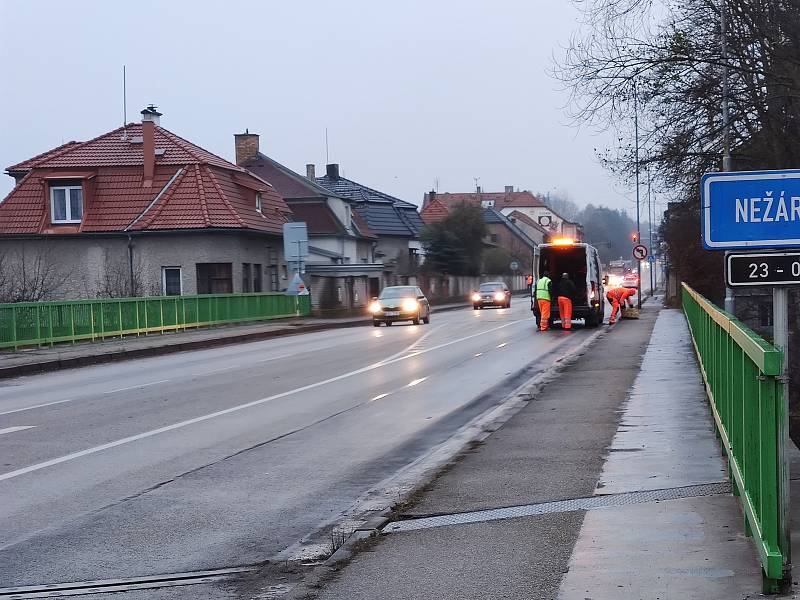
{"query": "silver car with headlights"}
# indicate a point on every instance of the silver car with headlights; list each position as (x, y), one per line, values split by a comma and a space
(400, 303)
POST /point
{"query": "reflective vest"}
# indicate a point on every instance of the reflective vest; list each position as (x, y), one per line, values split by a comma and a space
(543, 289)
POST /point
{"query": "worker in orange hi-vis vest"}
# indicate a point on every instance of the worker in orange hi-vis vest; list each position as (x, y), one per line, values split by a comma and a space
(618, 297)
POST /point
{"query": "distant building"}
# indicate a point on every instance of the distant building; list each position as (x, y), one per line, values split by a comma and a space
(342, 268)
(140, 210)
(509, 201)
(396, 223)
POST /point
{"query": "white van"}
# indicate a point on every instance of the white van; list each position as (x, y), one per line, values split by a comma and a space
(583, 265)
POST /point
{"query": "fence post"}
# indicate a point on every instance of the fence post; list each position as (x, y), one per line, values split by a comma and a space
(50, 323)
(14, 336)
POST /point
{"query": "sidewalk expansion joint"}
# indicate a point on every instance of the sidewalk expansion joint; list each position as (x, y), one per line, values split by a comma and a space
(560, 506)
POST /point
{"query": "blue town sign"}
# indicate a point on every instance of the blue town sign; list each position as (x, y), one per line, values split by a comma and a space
(750, 209)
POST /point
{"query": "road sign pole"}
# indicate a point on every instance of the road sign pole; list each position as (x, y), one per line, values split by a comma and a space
(780, 320)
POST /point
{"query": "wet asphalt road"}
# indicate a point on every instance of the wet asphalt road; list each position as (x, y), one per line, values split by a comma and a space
(224, 457)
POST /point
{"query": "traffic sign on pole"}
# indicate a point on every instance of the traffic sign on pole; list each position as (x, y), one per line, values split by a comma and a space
(763, 268)
(514, 265)
(750, 209)
(639, 252)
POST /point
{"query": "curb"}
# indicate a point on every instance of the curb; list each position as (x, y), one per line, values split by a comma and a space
(58, 364)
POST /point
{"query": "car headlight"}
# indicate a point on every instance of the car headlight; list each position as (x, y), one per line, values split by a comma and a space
(410, 305)
(375, 307)
(476, 297)
(499, 296)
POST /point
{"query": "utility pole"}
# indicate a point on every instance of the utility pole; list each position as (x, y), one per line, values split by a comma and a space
(730, 301)
(652, 263)
(638, 225)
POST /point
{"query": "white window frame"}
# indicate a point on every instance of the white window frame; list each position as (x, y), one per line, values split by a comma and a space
(164, 279)
(67, 201)
(258, 202)
(487, 203)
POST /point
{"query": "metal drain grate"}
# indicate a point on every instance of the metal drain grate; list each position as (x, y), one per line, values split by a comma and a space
(530, 510)
(81, 588)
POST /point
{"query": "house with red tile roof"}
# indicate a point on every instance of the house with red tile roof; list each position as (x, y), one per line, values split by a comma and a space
(342, 268)
(508, 201)
(140, 210)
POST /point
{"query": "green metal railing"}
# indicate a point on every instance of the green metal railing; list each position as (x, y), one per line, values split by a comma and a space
(46, 323)
(742, 376)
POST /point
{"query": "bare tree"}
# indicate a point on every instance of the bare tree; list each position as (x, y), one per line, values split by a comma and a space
(30, 273)
(118, 281)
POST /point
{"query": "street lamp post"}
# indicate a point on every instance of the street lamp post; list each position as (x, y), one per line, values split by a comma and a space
(638, 232)
(730, 301)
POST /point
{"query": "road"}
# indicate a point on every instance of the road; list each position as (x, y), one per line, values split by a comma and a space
(225, 457)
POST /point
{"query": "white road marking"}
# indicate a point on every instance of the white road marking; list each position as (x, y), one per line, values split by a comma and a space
(134, 387)
(18, 428)
(503, 345)
(479, 354)
(219, 370)
(378, 397)
(16, 410)
(417, 381)
(233, 409)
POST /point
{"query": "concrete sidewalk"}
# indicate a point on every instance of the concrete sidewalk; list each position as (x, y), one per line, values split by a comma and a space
(64, 356)
(609, 484)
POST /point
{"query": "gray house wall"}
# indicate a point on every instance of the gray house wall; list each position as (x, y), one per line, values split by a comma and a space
(87, 267)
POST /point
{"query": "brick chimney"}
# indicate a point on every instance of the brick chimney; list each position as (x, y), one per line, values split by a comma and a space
(150, 118)
(428, 198)
(509, 189)
(310, 174)
(246, 147)
(332, 171)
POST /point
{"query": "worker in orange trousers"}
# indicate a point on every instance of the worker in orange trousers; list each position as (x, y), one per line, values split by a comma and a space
(543, 296)
(618, 298)
(566, 293)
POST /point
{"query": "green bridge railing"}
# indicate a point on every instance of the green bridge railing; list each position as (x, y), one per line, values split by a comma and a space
(741, 372)
(46, 323)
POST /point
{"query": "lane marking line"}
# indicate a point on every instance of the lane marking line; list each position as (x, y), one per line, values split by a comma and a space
(503, 345)
(16, 410)
(378, 397)
(479, 354)
(134, 387)
(233, 409)
(215, 370)
(17, 428)
(417, 381)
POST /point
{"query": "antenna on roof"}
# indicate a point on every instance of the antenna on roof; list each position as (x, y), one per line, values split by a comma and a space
(327, 157)
(436, 184)
(124, 105)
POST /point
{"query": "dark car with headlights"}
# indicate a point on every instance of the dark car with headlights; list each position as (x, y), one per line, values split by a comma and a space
(400, 303)
(492, 293)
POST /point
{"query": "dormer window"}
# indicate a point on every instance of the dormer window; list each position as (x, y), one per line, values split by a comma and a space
(487, 203)
(66, 204)
(258, 202)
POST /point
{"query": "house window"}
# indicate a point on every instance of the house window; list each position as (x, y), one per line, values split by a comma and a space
(214, 278)
(171, 281)
(66, 204)
(246, 278)
(256, 277)
(487, 203)
(493, 238)
(258, 201)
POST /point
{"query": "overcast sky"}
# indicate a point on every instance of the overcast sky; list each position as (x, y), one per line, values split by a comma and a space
(411, 92)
